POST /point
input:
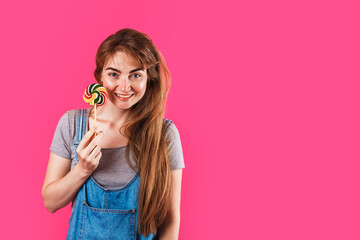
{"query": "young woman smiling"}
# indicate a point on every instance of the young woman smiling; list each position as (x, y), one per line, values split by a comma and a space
(124, 183)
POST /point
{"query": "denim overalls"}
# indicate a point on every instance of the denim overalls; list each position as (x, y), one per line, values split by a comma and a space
(100, 213)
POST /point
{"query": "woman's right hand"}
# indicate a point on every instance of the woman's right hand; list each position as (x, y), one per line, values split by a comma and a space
(89, 152)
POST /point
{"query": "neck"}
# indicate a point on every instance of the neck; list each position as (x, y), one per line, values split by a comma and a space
(110, 114)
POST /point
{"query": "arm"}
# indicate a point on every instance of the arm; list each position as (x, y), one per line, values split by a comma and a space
(60, 184)
(170, 228)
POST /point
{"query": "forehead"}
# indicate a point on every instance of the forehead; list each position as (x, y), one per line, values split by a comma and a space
(121, 59)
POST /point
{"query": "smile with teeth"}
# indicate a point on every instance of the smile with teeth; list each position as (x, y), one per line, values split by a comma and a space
(123, 96)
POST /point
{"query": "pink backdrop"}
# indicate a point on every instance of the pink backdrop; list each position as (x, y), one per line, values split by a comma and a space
(265, 95)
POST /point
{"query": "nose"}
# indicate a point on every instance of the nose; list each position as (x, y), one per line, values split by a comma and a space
(124, 84)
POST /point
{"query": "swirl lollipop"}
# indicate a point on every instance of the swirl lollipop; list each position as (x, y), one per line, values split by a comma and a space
(95, 94)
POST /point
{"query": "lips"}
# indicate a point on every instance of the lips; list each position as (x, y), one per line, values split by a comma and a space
(123, 95)
(122, 98)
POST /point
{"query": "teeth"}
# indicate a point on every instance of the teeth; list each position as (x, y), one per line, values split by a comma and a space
(123, 96)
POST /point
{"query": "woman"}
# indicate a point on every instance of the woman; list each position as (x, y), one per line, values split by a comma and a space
(124, 175)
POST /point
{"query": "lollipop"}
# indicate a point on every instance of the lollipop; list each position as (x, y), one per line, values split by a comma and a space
(95, 94)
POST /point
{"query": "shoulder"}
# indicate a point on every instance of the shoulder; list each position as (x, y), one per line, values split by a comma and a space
(167, 121)
(73, 113)
(69, 118)
(76, 112)
(174, 145)
(168, 124)
(69, 113)
(171, 130)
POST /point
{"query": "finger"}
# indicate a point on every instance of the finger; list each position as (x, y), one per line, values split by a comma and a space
(90, 147)
(97, 158)
(86, 138)
(95, 140)
(95, 153)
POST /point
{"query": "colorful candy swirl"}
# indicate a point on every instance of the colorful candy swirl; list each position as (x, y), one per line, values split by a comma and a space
(95, 94)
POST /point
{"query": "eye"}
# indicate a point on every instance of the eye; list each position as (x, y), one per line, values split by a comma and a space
(137, 75)
(113, 75)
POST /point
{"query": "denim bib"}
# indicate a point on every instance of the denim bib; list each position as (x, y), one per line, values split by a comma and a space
(100, 213)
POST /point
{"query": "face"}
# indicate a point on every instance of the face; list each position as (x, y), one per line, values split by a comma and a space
(124, 81)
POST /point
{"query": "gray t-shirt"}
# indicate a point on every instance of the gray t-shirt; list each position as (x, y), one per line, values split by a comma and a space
(113, 170)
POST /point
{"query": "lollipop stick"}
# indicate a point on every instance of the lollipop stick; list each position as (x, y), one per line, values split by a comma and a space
(95, 118)
(95, 115)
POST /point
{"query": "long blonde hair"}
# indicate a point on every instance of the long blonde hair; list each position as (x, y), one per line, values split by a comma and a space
(145, 128)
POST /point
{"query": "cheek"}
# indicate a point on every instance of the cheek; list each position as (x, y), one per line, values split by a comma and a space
(140, 86)
(108, 84)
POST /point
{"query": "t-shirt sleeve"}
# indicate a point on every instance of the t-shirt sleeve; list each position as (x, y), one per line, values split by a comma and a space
(60, 143)
(174, 148)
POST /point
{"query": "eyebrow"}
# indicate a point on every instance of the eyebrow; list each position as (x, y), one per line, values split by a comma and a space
(116, 70)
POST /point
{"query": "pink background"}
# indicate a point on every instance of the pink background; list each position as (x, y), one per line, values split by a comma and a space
(265, 95)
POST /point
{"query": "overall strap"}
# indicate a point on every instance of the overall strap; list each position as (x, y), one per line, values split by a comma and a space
(80, 129)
